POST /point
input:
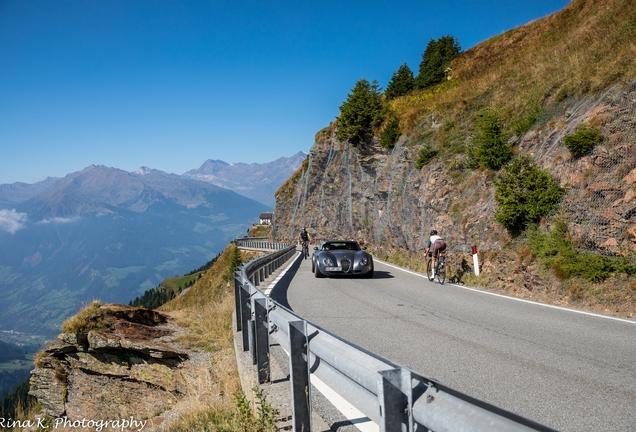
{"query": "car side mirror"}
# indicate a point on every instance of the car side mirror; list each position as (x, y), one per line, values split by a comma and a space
(315, 247)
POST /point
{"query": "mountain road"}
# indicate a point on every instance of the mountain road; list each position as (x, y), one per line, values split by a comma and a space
(567, 369)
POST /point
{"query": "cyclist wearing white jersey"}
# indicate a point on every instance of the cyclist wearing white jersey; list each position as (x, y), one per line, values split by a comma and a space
(436, 247)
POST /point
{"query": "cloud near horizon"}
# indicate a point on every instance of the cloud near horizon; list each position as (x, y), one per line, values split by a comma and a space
(12, 221)
(61, 220)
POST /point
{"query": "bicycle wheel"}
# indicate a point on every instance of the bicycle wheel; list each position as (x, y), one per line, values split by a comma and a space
(428, 270)
(441, 271)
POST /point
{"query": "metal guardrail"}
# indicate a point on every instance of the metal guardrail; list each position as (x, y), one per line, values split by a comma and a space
(395, 397)
(259, 243)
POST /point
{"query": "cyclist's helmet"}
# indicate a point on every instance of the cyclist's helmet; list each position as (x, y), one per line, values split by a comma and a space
(433, 232)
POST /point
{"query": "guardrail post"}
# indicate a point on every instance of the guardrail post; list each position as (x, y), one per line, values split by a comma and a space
(246, 314)
(299, 376)
(395, 399)
(261, 332)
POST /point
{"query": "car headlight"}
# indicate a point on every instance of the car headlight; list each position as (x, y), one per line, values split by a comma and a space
(364, 261)
(327, 261)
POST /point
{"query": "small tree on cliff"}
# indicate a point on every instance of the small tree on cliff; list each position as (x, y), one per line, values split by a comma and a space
(435, 60)
(401, 83)
(524, 194)
(360, 113)
(488, 147)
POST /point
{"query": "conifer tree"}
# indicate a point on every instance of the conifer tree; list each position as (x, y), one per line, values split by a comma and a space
(488, 147)
(401, 82)
(435, 60)
(360, 113)
(391, 133)
(524, 194)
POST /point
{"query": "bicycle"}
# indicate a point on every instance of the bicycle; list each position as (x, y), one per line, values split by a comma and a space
(440, 269)
(305, 252)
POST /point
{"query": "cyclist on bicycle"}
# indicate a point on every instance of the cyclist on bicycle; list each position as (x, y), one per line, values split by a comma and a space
(436, 247)
(304, 238)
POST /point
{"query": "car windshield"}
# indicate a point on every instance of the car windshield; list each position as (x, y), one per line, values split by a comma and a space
(341, 246)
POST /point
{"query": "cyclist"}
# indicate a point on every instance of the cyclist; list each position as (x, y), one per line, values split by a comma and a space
(304, 238)
(437, 246)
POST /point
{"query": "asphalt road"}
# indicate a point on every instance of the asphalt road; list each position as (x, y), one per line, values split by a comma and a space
(568, 370)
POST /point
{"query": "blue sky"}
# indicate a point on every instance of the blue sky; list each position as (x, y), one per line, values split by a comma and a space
(170, 84)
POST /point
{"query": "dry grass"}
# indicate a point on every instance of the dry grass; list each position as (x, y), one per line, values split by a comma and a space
(582, 49)
(260, 231)
(206, 311)
(288, 186)
(88, 318)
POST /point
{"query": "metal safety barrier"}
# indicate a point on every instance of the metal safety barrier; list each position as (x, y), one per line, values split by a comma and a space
(259, 243)
(395, 397)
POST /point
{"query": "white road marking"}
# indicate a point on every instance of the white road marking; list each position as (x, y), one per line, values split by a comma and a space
(514, 298)
(271, 286)
(356, 417)
(351, 413)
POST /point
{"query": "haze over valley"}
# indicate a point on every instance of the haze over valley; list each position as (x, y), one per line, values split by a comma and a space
(110, 234)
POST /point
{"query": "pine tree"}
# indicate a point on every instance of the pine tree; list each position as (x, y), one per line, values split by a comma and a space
(391, 133)
(524, 194)
(401, 82)
(488, 147)
(360, 113)
(435, 60)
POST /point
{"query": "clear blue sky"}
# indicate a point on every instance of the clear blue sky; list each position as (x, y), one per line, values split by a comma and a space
(170, 84)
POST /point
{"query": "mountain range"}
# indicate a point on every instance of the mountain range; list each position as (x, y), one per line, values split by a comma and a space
(256, 181)
(111, 234)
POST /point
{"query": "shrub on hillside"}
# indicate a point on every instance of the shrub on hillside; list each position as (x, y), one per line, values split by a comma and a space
(557, 252)
(401, 83)
(582, 141)
(391, 133)
(360, 113)
(524, 194)
(427, 153)
(488, 147)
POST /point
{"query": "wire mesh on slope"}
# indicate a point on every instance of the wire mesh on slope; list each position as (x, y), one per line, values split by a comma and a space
(599, 203)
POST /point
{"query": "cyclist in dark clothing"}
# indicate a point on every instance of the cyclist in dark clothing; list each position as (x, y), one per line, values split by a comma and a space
(304, 238)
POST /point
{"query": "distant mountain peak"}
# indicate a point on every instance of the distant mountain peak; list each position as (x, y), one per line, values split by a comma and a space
(144, 170)
(255, 180)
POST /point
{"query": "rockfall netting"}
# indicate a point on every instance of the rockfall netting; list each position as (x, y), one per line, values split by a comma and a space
(599, 205)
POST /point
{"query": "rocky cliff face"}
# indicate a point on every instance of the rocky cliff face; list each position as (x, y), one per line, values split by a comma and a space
(134, 370)
(378, 197)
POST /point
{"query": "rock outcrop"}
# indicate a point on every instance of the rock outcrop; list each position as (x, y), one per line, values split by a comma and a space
(130, 368)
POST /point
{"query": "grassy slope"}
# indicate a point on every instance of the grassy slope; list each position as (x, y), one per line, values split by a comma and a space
(206, 310)
(586, 47)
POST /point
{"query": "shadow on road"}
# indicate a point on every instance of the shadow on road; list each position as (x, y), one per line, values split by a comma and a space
(382, 275)
(279, 292)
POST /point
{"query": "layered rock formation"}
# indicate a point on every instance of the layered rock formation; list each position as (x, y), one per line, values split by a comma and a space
(131, 368)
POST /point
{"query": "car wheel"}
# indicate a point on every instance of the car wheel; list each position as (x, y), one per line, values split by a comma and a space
(313, 266)
(369, 274)
(317, 273)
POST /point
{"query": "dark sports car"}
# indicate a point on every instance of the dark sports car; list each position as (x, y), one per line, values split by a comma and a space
(341, 258)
